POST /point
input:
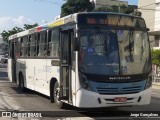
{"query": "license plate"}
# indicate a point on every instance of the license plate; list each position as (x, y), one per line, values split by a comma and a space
(120, 99)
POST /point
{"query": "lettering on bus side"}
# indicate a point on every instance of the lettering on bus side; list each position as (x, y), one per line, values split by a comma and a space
(47, 69)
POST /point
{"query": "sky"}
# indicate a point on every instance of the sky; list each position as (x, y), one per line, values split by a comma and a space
(19, 12)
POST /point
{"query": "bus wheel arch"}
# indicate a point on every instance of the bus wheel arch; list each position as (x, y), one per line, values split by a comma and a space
(54, 91)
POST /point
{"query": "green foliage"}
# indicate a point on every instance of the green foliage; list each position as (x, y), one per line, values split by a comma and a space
(75, 6)
(155, 57)
(27, 26)
(119, 9)
(5, 34)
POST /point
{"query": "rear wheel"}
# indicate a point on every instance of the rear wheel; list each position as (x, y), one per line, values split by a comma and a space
(56, 97)
(21, 83)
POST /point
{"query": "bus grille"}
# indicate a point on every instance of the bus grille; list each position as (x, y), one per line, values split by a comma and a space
(117, 88)
(125, 90)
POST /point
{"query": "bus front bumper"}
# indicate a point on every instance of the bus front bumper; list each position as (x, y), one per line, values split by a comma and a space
(89, 99)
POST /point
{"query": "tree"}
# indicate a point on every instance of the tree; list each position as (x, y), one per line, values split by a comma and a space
(75, 6)
(27, 26)
(5, 34)
(155, 57)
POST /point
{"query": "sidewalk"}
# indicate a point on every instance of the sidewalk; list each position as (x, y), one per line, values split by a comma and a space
(156, 86)
(8, 104)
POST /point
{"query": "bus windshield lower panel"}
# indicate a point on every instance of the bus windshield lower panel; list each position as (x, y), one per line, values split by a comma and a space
(114, 51)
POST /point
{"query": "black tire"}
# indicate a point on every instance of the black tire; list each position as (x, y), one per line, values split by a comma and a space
(52, 91)
(21, 83)
(55, 95)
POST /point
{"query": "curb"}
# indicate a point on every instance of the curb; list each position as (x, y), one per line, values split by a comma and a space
(155, 86)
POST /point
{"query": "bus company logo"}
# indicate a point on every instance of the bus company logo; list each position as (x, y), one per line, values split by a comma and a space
(6, 114)
(119, 78)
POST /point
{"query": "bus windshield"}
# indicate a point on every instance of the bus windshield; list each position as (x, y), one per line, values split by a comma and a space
(114, 51)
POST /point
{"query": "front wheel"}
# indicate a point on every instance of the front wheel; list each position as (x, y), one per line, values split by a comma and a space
(56, 97)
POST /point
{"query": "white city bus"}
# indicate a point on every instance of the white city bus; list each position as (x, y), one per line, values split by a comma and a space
(88, 60)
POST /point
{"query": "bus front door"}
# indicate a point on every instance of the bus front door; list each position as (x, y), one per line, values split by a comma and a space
(65, 65)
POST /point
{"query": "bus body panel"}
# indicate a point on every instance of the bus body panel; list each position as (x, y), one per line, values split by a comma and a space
(41, 84)
(9, 67)
(73, 88)
(30, 74)
(37, 74)
(52, 71)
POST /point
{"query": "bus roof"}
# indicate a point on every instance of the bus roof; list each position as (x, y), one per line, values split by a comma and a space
(61, 21)
(67, 19)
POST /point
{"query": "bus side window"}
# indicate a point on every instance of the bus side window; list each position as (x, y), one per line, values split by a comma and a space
(48, 44)
(22, 45)
(42, 44)
(25, 46)
(21, 49)
(33, 45)
(28, 46)
(54, 43)
(18, 52)
(37, 44)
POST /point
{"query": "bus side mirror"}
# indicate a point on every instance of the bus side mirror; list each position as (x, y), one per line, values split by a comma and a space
(148, 29)
(76, 44)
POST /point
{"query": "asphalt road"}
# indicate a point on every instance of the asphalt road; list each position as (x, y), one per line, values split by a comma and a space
(13, 99)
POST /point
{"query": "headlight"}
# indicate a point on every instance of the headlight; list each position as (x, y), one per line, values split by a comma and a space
(149, 82)
(84, 82)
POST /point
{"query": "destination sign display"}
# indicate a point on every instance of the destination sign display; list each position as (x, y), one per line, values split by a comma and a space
(111, 20)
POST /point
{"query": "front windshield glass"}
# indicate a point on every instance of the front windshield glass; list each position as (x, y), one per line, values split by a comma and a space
(99, 52)
(134, 52)
(113, 52)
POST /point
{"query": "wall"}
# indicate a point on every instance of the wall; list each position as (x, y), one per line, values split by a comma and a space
(157, 17)
(101, 3)
(146, 7)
